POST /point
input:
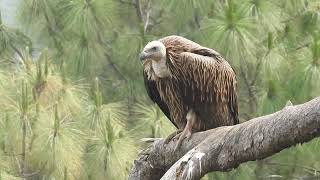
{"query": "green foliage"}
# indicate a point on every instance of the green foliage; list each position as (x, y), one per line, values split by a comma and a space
(152, 118)
(71, 87)
(52, 113)
(232, 30)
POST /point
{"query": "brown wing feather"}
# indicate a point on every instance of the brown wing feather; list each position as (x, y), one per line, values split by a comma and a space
(155, 97)
(210, 86)
(180, 44)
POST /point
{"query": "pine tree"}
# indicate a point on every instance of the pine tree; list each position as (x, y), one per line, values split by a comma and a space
(72, 94)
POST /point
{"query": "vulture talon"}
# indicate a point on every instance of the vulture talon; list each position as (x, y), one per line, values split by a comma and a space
(172, 136)
(188, 136)
(183, 135)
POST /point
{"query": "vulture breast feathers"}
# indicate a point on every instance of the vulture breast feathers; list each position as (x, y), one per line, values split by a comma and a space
(198, 79)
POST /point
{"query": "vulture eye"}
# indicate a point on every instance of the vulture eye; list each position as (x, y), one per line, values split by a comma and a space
(154, 48)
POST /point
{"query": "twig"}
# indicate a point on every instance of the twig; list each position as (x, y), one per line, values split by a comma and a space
(115, 68)
(258, 67)
(252, 97)
(34, 173)
(103, 44)
(126, 2)
(146, 24)
(24, 134)
(137, 6)
(157, 21)
(303, 46)
(53, 33)
(294, 165)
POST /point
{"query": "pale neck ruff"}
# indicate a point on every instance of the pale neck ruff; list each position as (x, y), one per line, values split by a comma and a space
(160, 68)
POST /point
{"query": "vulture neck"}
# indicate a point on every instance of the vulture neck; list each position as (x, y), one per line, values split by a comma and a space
(160, 68)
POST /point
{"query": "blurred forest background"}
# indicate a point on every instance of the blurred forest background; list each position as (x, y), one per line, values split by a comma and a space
(73, 103)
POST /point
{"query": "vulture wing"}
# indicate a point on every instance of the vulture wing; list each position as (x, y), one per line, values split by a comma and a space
(155, 96)
(208, 80)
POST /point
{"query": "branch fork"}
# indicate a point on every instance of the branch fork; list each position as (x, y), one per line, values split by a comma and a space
(225, 148)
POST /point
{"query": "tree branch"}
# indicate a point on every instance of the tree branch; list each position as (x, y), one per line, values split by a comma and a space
(147, 16)
(144, 11)
(224, 148)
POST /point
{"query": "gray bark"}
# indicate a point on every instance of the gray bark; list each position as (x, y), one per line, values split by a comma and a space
(224, 148)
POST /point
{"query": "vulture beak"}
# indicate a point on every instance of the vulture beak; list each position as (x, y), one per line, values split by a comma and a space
(143, 56)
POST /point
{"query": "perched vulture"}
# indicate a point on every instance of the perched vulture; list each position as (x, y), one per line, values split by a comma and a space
(194, 86)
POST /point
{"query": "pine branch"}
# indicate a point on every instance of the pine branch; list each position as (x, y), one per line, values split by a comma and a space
(100, 39)
(258, 69)
(225, 148)
(16, 50)
(53, 33)
(251, 93)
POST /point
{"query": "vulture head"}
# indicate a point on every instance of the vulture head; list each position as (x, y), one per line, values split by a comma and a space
(154, 60)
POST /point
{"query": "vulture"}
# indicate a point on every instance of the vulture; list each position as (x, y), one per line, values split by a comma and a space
(194, 86)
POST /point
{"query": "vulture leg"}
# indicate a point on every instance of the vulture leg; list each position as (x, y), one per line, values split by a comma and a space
(187, 131)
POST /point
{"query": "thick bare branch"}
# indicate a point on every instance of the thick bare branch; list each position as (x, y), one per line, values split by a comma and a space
(224, 148)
